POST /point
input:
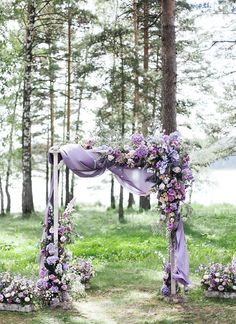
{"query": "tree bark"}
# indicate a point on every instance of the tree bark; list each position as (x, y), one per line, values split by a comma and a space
(27, 194)
(168, 102)
(121, 207)
(113, 200)
(47, 169)
(2, 198)
(9, 159)
(136, 104)
(69, 31)
(169, 67)
(144, 201)
(121, 199)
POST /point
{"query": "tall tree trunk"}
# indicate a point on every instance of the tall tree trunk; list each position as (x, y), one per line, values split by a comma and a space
(47, 169)
(27, 194)
(144, 202)
(136, 105)
(168, 102)
(9, 158)
(1, 198)
(155, 95)
(69, 31)
(169, 68)
(121, 199)
(113, 201)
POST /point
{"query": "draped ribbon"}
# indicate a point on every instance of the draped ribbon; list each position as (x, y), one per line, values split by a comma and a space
(94, 162)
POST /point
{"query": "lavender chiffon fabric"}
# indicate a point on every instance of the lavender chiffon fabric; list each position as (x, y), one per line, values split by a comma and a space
(93, 162)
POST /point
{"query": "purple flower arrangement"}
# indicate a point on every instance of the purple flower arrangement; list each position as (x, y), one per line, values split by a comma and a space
(84, 269)
(17, 290)
(165, 156)
(218, 277)
(58, 279)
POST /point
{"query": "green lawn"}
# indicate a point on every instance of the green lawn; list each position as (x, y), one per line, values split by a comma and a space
(128, 271)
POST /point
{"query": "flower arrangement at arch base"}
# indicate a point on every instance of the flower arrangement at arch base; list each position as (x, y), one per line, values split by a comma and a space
(62, 278)
(219, 280)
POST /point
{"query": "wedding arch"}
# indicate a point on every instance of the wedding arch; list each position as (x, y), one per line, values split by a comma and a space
(156, 164)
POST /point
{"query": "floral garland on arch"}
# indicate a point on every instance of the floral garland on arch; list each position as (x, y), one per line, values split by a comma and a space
(164, 155)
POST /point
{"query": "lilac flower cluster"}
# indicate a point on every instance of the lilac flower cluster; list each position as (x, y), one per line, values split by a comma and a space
(51, 284)
(17, 290)
(218, 277)
(170, 164)
(165, 289)
(84, 269)
(58, 280)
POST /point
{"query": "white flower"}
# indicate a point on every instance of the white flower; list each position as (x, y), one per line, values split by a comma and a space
(162, 217)
(177, 169)
(18, 300)
(217, 274)
(63, 239)
(205, 277)
(217, 280)
(162, 186)
(110, 157)
(234, 287)
(7, 295)
(221, 288)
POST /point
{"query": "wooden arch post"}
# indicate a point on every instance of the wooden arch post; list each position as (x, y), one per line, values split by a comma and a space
(56, 166)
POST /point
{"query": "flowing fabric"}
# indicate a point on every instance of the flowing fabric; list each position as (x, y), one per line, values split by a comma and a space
(94, 162)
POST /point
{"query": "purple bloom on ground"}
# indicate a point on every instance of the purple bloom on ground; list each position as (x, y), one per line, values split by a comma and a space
(141, 151)
(165, 291)
(65, 266)
(137, 139)
(52, 260)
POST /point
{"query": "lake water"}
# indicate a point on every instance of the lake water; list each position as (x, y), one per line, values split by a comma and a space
(215, 186)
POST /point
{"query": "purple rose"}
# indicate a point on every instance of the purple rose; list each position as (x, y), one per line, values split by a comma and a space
(137, 139)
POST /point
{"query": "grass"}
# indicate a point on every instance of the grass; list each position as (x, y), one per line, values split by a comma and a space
(128, 271)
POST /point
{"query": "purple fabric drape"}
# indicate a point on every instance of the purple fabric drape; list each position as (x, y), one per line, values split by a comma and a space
(93, 162)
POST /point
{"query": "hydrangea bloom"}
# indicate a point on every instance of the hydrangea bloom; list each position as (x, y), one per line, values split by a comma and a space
(137, 139)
